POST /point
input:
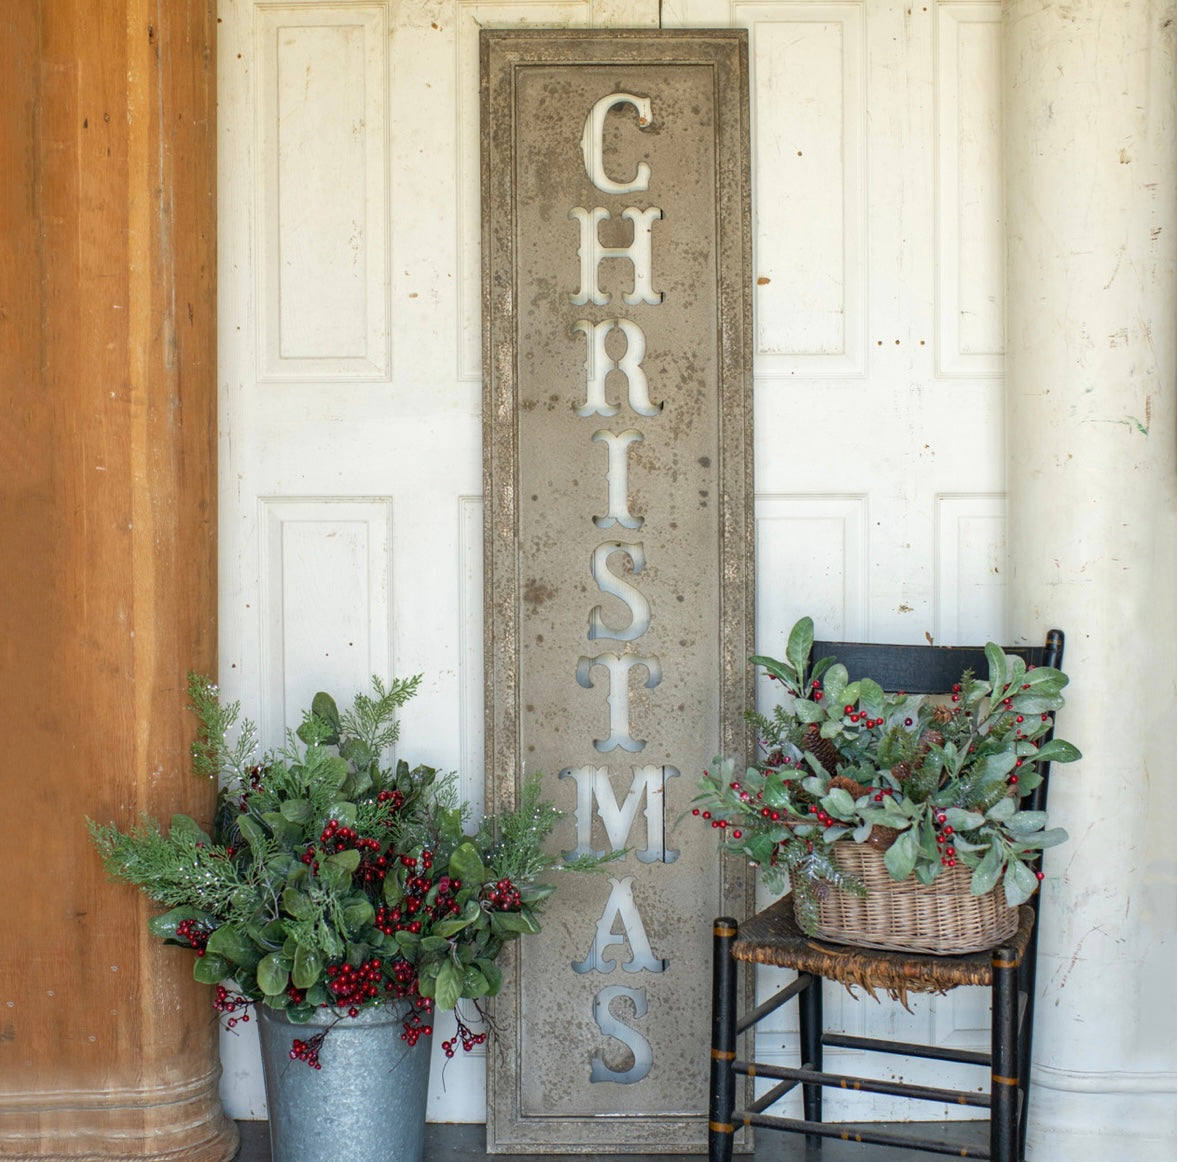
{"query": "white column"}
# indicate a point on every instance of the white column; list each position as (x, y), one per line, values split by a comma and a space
(1089, 170)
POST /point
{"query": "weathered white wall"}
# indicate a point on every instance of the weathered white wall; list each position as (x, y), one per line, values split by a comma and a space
(350, 443)
(1089, 162)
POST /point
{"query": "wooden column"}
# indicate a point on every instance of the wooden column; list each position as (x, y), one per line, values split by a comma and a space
(107, 559)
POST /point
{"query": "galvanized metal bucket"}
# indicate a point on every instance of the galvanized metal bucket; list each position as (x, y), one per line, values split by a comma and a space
(365, 1103)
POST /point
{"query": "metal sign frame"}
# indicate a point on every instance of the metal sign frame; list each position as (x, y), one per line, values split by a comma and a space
(617, 347)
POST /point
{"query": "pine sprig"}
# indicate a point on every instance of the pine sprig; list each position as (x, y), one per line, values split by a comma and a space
(211, 753)
(182, 867)
(373, 720)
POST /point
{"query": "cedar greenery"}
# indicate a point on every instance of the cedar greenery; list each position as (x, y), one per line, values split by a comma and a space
(929, 783)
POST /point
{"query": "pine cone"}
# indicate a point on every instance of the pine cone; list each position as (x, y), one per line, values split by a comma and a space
(943, 713)
(881, 838)
(902, 772)
(821, 748)
(852, 788)
(929, 737)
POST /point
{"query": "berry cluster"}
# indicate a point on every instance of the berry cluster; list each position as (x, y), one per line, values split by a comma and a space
(466, 1035)
(415, 1027)
(336, 837)
(226, 1002)
(505, 896)
(396, 798)
(424, 899)
(308, 1051)
(354, 985)
(196, 932)
(945, 840)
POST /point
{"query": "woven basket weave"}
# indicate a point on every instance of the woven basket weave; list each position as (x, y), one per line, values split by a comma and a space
(942, 918)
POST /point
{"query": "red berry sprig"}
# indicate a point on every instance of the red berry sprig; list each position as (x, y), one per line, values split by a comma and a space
(308, 1051)
(466, 1035)
(505, 897)
(354, 985)
(196, 932)
(229, 1002)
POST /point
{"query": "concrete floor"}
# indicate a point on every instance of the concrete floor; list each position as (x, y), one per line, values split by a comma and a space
(451, 1143)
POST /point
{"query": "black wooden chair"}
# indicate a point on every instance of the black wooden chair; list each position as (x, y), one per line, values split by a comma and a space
(773, 938)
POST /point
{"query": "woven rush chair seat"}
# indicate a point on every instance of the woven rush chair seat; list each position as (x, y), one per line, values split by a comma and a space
(772, 937)
(1005, 968)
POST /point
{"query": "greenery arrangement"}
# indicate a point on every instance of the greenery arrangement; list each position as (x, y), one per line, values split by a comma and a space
(930, 784)
(332, 881)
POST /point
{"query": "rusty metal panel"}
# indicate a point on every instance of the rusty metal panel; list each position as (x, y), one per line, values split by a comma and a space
(619, 555)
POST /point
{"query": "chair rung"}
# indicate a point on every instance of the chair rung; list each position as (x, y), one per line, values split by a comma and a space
(937, 1052)
(865, 1084)
(860, 1134)
(778, 999)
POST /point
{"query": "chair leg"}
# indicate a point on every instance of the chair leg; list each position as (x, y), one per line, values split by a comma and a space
(723, 1081)
(1026, 985)
(810, 1036)
(1004, 1065)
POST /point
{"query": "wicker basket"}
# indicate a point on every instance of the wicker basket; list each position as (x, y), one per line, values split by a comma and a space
(942, 918)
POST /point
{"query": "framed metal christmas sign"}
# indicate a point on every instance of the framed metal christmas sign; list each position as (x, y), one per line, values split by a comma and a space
(618, 553)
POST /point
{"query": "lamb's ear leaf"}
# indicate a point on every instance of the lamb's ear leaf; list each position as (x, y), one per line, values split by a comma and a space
(997, 660)
(799, 644)
(1020, 883)
(986, 874)
(1057, 751)
(900, 858)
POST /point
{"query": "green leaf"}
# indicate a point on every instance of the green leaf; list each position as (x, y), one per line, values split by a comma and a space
(297, 904)
(1057, 751)
(1002, 810)
(308, 966)
(343, 812)
(1045, 680)
(468, 915)
(164, 926)
(186, 825)
(448, 987)
(431, 944)
(211, 969)
(358, 914)
(474, 983)
(1020, 883)
(296, 810)
(226, 941)
(518, 922)
(997, 660)
(871, 695)
(409, 944)
(807, 711)
(799, 644)
(466, 865)
(254, 835)
(492, 974)
(839, 803)
(782, 673)
(273, 974)
(961, 820)
(1030, 703)
(1025, 822)
(986, 874)
(900, 858)
(834, 682)
(323, 706)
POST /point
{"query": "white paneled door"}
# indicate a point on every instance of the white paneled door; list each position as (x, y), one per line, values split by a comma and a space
(349, 310)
